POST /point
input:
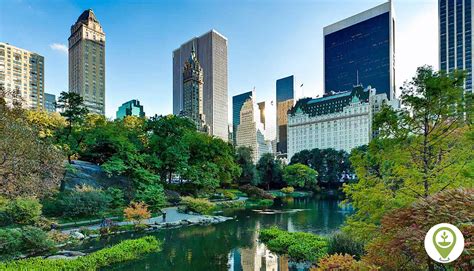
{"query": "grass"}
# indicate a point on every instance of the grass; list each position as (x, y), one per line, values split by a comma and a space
(124, 251)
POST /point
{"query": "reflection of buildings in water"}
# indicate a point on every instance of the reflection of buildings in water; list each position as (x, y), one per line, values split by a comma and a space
(256, 258)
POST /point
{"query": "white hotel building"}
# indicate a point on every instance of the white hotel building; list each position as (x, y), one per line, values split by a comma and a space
(341, 121)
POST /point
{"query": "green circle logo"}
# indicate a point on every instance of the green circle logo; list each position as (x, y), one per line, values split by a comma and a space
(444, 243)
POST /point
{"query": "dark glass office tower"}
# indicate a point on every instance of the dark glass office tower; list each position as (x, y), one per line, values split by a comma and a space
(360, 49)
(285, 92)
(455, 37)
(237, 103)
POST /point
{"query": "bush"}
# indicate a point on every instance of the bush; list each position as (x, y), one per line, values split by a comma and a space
(287, 190)
(342, 262)
(137, 212)
(231, 204)
(259, 203)
(124, 251)
(79, 203)
(255, 192)
(14, 242)
(299, 246)
(342, 243)
(172, 197)
(153, 195)
(23, 211)
(116, 196)
(229, 195)
(200, 206)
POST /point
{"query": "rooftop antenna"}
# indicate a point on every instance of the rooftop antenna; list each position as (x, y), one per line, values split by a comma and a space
(357, 71)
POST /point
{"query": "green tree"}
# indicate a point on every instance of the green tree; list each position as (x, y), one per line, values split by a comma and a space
(73, 109)
(270, 171)
(153, 195)
(243, 157)
(300, 175)
(422, 149)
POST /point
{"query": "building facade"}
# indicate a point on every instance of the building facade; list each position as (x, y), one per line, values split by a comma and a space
(285, 93)
(250, 132)
(22, 76)
(341, 121)
(237, 103)
(193, 80)
(455, 37)
(87, 61)
(211, 51)
(130, 108)
(50, 102)
(361, 49)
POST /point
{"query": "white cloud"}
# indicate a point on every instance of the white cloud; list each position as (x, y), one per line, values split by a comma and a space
(59, 47)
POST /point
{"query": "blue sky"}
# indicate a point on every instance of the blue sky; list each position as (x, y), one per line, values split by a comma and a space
(267, 40)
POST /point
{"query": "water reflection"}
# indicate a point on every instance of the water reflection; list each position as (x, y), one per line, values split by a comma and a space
(233, 245)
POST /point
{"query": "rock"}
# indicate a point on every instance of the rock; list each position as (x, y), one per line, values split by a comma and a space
(77, 235)
(94, 235)
(70, 253)
(62, 257)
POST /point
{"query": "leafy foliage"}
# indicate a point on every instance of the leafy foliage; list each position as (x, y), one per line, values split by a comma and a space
(116, 197)
(153, 195)
(342, 262)
(403, 230)
(16, 241)
(300, 175)
(255, 192)
(287, 190)
(342, 243)
(331, 165)
(124, 251)
(244, 160)
(200, 206)
(137, 212)
(23, 211)
(270, 171)
(299, 246)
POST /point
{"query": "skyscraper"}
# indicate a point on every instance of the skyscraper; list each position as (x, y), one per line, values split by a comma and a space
(261, 109)
(22, 74)
(285, 89)
(130, 108)
(250, 131)
(193, 91)
(87, 61)
(49, 102)
(237, 103)
(361, 49)
(455, 37)
(211, 51)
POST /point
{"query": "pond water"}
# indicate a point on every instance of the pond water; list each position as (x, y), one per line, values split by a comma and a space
(233, 245)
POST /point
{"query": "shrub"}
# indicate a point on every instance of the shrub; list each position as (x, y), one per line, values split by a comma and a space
(255, 192)
(137, 212)
(231, 204)
(14, 242)
(402, 231)
(229, 195)
(259, 203)
(342, 262)
(79, 203)
(342, 243)
(172, 197)
(23, 211)
(287, 190)
(299, 246)
(124, 251)
(153, 195)
(200, 206)
(116, 197)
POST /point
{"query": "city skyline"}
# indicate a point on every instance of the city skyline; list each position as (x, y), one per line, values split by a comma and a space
(248, 45)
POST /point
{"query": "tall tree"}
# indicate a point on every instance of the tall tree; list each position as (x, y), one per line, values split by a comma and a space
(270, 171)
(300, 175)
(73, 109)
(422, 149)
(243, 157)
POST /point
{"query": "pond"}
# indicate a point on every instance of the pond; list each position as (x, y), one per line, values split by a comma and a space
(233, 245)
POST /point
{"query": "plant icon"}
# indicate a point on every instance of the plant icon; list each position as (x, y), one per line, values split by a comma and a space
(444, 236)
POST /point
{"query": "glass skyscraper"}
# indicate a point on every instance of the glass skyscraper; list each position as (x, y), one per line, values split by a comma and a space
(130, 108)
(455, 37)
(237, 103)
(285, 92)
(360, 49)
